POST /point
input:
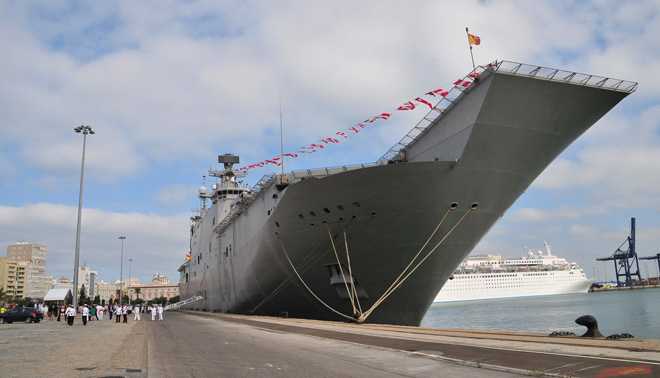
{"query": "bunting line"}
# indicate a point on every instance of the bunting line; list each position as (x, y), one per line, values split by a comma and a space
(344, 134)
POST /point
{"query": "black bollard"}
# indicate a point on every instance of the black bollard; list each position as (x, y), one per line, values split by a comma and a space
(591, 324)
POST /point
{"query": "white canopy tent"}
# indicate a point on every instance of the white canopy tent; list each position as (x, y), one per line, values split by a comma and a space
(58, 295)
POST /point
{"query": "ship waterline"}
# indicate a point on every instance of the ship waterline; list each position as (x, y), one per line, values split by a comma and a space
(271, 251)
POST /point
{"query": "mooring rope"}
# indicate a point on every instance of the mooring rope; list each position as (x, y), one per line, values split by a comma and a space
(288, 279)
(350, 273)
(388, 292)
(352, 293)
(307, 287)
(341, 271)
(450, 208)
(303, 266)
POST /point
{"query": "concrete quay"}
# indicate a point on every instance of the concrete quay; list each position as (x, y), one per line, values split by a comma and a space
(53, 349)
(201, 344)
(463, 353)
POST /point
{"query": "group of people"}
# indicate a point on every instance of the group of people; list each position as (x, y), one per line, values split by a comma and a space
(95, 312)
(121, 312)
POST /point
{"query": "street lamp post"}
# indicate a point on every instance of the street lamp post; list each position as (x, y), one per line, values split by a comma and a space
(130, 280)
(84, 130)
(121, 271)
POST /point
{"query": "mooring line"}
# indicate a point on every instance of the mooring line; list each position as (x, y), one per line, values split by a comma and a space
(352, 293)
(366, 314)
(305, 284)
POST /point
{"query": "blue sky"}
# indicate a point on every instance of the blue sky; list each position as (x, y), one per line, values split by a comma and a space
(169, 85)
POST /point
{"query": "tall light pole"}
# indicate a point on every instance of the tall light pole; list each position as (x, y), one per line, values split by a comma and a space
(121, 271)
(130, 279)
(84, 130)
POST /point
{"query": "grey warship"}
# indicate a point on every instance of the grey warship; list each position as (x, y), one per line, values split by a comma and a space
(376, 242)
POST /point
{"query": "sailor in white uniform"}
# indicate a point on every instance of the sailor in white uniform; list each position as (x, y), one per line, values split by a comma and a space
(70, 315)
(160, 312)
(153, 312)
(136, 311)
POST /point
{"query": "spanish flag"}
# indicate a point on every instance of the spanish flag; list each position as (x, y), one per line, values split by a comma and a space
(474, 40)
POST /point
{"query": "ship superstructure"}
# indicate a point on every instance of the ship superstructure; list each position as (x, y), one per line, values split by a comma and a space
(534, 274)
(376, 242)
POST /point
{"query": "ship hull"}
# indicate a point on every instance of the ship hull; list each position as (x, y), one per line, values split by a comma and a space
(478, 286)
(277, 257)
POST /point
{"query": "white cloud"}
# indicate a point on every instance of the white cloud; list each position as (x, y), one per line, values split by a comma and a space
(169, 86)
(154, 242)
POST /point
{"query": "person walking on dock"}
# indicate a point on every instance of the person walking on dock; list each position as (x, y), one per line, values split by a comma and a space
(85, 314)
(160, 312)
(117, 314)
(153, 312)
(136, 312)
(70, 314)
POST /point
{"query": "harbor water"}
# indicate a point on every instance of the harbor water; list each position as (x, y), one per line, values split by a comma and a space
(636, 312)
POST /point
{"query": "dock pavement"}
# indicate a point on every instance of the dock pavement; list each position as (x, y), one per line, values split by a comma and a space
(201, 344)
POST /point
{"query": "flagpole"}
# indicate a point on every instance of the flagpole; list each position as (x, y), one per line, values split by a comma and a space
(281, 139)
(470, 45)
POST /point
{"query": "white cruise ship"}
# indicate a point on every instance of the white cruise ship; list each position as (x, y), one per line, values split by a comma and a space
(535, 274)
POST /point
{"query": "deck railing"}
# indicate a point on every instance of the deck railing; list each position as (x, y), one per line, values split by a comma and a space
(396, 153)
(576, 78)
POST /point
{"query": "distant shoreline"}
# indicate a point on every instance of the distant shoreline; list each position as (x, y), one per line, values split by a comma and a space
(599, 289)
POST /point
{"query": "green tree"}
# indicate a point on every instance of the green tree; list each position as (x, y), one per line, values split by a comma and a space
(97, 299)
(137, 293)
(24, 302)
(83, 295)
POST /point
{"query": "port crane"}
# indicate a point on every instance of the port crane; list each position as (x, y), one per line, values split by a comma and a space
(625, 261)
(656, 257)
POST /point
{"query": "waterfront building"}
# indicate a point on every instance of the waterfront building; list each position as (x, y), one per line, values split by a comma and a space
(107, 290)
(159, 287)
(89, 278)
(12, 278)
(36, 283)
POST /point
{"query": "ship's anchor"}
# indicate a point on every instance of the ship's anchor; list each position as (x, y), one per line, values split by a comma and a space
(358, 315)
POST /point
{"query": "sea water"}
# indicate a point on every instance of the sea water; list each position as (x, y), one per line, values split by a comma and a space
(636, 312)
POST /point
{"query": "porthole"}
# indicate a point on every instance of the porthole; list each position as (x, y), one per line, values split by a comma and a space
(326, 210)
(340, 207)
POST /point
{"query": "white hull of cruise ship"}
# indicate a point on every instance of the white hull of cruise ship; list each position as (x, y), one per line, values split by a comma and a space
(480, 286)
(366, 240)
(534, 274)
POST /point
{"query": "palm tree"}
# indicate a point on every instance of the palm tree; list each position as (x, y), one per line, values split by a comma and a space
(3, 293)
(137, 293)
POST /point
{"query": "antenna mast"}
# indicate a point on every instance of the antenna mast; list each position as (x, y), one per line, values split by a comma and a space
(281, 139)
